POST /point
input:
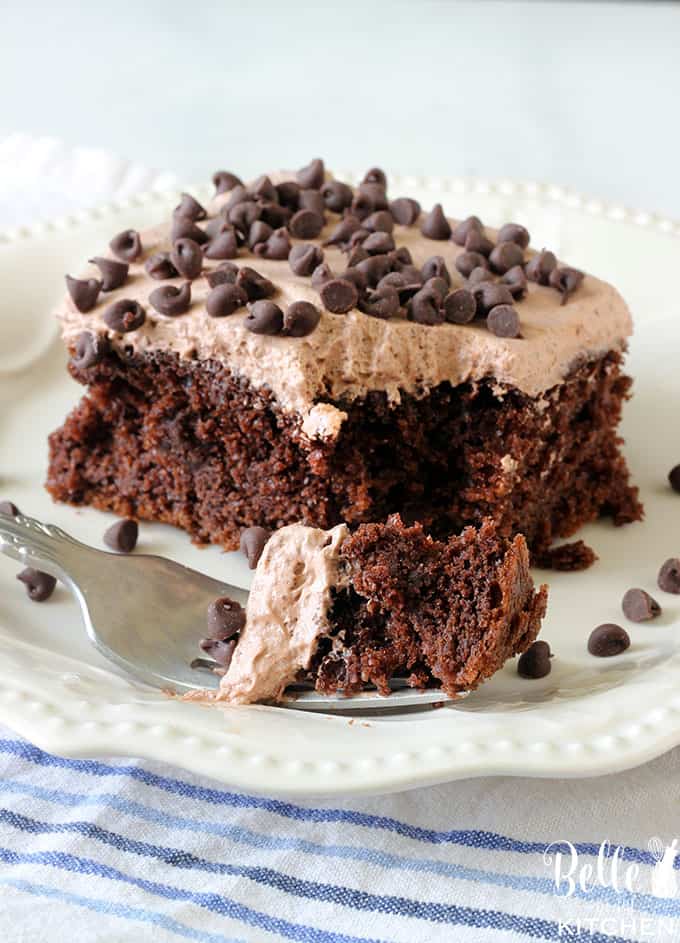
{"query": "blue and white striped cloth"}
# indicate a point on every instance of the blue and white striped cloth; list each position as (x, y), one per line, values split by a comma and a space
(120, 849)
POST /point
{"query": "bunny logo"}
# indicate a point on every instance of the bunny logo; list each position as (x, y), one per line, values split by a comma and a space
(664, 880)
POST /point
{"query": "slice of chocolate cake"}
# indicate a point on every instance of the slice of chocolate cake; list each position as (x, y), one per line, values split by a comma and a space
(345, 610)
(300, 350)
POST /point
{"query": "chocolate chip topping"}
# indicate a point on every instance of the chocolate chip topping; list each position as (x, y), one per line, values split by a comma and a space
(381, 302)
(639, 606)
(239, 194)
(674, 478)
(336, 195)
(263, 189)
(378, 243)
(125, 315)
(224, 181)
(9, 508)
(426, 306)
(113, 273)
(289, 194)
(343, 232)
(190, 208)
(375, 194)
(224, 274)
(535, 661)
(566, 280)
(321, 274)
(89, 349)
(540, 266)
(122, 536)
(438, 285)
(159, 266)
(259, 232)
(362, 205)
(300, 319)
(39, 585)
(222, 246)
(405, 284)
(225, 619)
(243, 215)
(127, 245)
(264, 317)
(516, 281)
(356, 255)
(478, 275)
(305, 258)
(490, 294)
(374, 268)
(84, 292)
(463, 229)
(339, 296)
(183, 228)
(503, 321)
(277, 246)
(669, 576)
(305, 224)
(311, 177)
(380, 221)
(405, 211)
(513, 232)
(256, 286)
(252, 544)
(435, 267)
(187, 258)
(314, 201)
(607, 640)
(476, 241)
(224, 299)
(460, 306)
(505, 256)
(467, 262)
(357, 278)
(435, 225)
(376, 175)
(357, 238)
(274, 214)
(171, 300)
(220, 652)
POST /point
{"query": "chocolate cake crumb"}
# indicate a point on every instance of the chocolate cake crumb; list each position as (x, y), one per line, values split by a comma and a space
(566, 558)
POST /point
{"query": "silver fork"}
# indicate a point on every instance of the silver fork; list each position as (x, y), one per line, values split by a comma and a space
(146, 614)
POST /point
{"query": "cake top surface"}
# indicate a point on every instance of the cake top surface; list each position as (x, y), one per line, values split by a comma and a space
(381, 317)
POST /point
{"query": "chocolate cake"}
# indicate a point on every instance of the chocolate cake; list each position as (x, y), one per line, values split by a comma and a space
(300, 350)
(341, 610)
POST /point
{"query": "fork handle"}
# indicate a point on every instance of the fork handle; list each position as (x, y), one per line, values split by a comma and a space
(43, 546)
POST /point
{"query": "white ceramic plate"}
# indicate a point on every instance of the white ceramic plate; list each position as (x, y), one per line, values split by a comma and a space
(588, 716)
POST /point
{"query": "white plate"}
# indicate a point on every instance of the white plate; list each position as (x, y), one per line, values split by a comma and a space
(588, 716)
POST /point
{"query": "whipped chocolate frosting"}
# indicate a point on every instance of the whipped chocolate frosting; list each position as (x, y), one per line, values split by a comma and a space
(349, 355)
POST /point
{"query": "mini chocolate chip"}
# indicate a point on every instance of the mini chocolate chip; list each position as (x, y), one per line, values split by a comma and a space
(411, 273)
(399, 258)
(362, 205)
(357, 278)
(238, 195)
(460, 306)
(9, 508)
(243, 215)
(380, 302)
(187, 258)
(89, 350)
(540, 266)
(435, 225)
(264, 317)
(535, 661)
(357, 254)
(263, 189)
(314, 201)
(607, 640)
(216, 226)
(183, 228)
(375, 193)
(224, 299)
(378, 243)
(380, 221)
(160, 267)
(39, 585)
(480, 274)
(513, 232)
(222, 246)
(259, 232)
(190, 208)
(674, 478)
(476, 241)
(321, 274)
(639, 606)
(170, 300)
(256, 286)
(339, 296)
(273, 214)
(437, 285)
(300, 319)
(252, 544)
(122, 536)
(566, 280)
(374, 268)
(113, 273)
(226, 618)
(336, 195)
(125, 315)
(277, 246)
(224, 181)
(669, 576)
(357, 238)
(463, 229)
(405, 211)
(426, 306)
(376, 175)
(488, 295)
(305, 258)
(127, 245)
(516, 281)
(311, 177)
(466, 262)
(503, 321)
(343, 232)
(224, 274)
(220, 652)
(84, 292)
(505, 256)
(289, 194)
(305, 224)
(404, 285)
(435, 267)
